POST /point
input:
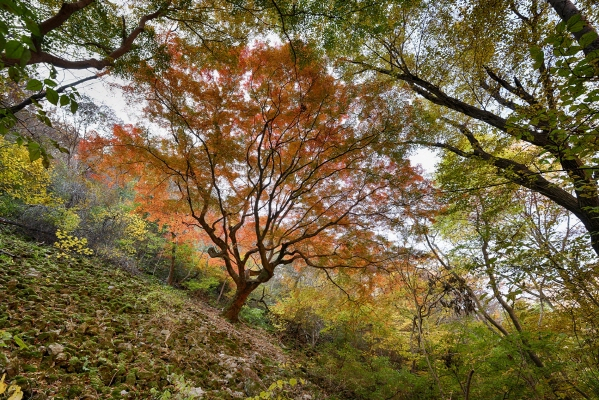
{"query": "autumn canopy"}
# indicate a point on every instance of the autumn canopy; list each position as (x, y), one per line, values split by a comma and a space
(261, 155)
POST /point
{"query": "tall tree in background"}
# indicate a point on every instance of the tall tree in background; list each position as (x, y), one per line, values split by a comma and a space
(511, 247)
(532, 117)
(271, 157)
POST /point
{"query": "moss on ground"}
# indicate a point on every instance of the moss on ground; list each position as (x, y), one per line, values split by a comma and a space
(81, 329)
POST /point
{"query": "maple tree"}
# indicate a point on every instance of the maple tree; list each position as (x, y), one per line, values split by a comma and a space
(266, 161)
(271, 157)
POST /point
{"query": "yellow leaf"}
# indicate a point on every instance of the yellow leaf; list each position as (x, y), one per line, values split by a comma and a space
(3, 385)
(17, 394)
(293, 381)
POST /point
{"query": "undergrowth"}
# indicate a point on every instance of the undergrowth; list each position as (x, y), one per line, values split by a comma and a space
(75, 327)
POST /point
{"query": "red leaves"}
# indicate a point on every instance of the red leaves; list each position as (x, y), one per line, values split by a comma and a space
(271, 156)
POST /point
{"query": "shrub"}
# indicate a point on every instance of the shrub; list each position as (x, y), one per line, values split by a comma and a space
(256, 317)
(69, 244)
(357, 375)
(206, 285)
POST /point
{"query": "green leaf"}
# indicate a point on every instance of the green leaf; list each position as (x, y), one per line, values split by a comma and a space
(41, 115)
(52, 96)
(512, 295)
(293, 381)
(572, 51)
(34, 85)
(3, 28)
(4, 336)
(26, 40)
(64, 100)
(264, 395)
(20, 342)
(563, 72)
(50, 82)
(34, 151)
(575, 19)
(587, 38)
(14, 73)
(537, 53)
(10, 6)
(577, 27)
(33, 27)
(13, 49)
(74, 106)
(25, 57)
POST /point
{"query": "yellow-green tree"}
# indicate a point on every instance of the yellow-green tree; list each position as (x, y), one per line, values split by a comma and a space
(21, 179)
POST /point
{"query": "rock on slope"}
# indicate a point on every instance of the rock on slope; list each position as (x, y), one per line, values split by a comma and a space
(77, 328)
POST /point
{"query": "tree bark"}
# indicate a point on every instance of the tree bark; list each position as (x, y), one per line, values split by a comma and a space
(243, 291)
(171, 271)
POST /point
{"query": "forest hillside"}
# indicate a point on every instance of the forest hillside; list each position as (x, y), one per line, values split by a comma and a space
(202, 182)
(79, 328)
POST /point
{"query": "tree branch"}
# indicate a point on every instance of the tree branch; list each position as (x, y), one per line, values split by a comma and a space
(518, 90)
(41, 95)
(40, 56)
(64, 13)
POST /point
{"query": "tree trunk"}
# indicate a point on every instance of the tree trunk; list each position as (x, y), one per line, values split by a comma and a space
(171, 271)
(590, 220)
(241, 294)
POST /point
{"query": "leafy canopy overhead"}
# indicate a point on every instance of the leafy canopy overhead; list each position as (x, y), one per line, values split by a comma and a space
(510, 83)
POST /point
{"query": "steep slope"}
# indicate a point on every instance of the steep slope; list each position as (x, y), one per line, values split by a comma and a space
(74, 327)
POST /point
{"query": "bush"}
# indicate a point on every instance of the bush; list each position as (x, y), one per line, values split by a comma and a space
(206, 285)
(357, 375)
(256, 317)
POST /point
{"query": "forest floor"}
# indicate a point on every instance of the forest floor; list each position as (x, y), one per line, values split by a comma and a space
(78, 328)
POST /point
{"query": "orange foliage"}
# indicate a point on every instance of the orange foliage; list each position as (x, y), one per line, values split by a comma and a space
(269, 155)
